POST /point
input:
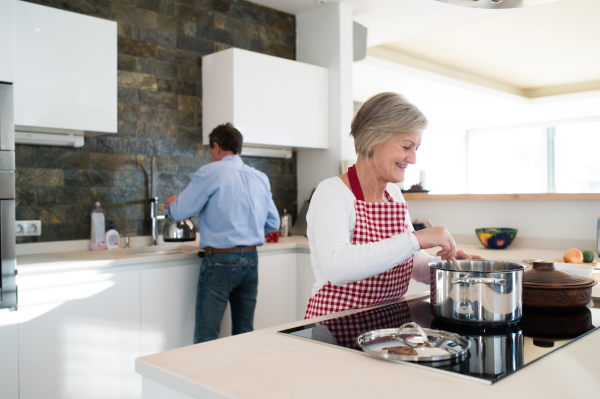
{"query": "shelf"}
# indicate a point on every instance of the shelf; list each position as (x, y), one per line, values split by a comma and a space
(503, 197)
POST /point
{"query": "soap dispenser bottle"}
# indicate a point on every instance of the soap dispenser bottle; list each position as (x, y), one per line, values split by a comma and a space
(112, 237)
(97, 239)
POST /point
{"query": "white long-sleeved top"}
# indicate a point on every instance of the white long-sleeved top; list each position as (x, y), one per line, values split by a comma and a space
(331, 220)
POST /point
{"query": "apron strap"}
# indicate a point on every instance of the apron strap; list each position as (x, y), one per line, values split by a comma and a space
(355, 184)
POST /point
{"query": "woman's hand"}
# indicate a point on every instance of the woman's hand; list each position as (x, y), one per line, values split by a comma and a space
(437, 236)
(463, 255)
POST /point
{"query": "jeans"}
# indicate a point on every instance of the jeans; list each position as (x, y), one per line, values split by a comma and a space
(226, 277)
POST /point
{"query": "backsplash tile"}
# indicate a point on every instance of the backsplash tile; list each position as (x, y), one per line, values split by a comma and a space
(160, 49)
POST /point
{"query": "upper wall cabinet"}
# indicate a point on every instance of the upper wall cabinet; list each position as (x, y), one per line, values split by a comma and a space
(8, 34)
(272, 101)
(66, 79)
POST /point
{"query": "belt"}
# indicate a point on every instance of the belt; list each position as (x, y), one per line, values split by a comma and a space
(241, 248)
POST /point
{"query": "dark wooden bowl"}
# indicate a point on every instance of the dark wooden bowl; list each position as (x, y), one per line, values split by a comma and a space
(556, 297)
(544, 287)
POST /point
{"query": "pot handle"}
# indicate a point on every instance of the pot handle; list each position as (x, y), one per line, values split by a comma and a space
(475, 280)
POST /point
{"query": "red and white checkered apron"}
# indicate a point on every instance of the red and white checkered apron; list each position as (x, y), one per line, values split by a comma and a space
(346, 329)
(374, 221)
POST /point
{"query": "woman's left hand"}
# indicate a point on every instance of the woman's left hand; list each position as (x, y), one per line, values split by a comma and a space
(463, 255)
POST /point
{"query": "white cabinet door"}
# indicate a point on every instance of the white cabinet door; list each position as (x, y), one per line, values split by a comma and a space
(271, 100)
(9, 354)
(8, 40)
(168, 307)
(79, 334)
(305, 282)
(276, 301)
(66, 71)
(416, 288)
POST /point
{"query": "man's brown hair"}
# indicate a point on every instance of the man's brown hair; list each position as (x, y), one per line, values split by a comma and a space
(227, 137)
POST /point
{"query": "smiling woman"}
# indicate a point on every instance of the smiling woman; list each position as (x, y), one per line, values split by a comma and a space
(363, 248)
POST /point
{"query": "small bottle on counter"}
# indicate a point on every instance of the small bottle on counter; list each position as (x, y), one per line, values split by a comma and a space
(97, 239)
(286, 224)
(112, 238)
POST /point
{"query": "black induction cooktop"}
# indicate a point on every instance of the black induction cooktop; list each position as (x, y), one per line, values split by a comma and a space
(495, 352)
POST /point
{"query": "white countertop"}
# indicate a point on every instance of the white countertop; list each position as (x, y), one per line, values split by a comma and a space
(84, 260)
(264, 364)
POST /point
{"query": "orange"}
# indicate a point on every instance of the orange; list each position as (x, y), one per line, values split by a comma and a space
(573, 255)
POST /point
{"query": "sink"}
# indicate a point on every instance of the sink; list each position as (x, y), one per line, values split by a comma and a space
(161, 250)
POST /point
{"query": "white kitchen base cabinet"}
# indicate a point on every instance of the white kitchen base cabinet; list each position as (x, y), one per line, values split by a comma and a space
(155, 390)
(416, 288)
(168, 307)
(9, 354)
(79, 334)
(276, 301)
(305, 281)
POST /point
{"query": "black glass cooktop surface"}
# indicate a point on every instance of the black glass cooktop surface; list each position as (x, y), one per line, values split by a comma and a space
(495, 352)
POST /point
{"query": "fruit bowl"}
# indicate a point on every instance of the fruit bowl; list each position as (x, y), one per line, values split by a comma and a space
(496, 238)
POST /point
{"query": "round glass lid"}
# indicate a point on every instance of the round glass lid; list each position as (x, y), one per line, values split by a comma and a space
(412, 343)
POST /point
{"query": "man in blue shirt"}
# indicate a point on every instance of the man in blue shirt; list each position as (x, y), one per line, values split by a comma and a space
(236, 210)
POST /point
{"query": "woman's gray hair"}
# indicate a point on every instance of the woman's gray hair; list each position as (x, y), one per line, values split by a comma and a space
(380, 118)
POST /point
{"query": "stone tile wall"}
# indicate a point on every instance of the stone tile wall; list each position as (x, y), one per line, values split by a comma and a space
(160, 46)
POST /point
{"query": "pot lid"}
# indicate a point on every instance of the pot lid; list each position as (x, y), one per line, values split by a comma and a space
(543, 274)
(412, 343)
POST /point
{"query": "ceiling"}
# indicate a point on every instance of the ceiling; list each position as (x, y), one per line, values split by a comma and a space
(391, 20)
(532, 52)
(545, 50)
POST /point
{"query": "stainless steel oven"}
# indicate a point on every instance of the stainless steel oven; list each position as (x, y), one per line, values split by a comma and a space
(8, 288)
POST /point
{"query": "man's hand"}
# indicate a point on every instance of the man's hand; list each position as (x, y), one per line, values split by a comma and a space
(172, 198)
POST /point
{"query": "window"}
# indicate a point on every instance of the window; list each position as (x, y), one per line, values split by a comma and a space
(577, 158)
(505, 161)
(563, 158)
(443, 157)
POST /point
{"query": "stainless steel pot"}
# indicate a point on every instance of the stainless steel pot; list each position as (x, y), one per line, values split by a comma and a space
(485, 292)
(179, 231)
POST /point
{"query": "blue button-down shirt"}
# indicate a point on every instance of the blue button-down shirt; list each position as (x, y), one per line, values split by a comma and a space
(234, 202)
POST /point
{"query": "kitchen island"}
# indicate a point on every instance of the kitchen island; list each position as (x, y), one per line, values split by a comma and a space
(264, 364)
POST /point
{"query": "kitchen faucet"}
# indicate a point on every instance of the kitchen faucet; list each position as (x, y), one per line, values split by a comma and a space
(154, 204)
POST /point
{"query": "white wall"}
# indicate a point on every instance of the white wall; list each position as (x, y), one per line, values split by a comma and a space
(541, 224)
(324, 38)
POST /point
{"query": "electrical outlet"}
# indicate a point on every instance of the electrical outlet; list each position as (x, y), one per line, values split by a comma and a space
(28, 228)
